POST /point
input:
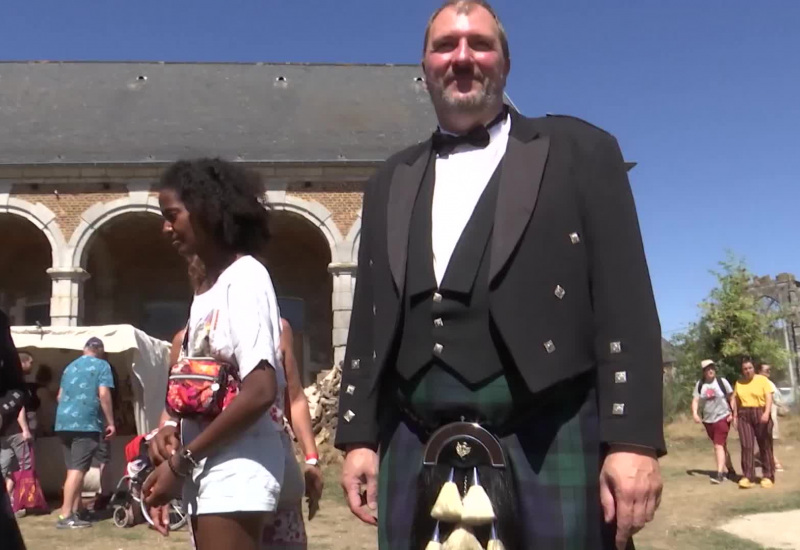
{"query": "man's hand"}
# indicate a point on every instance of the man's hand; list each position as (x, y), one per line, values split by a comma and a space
(314, 486)
(630, 490)
(361, 466)
(27, 437)
(697, 418)
(729, 418)
(164, 444)
(110, 431)
(764, 418)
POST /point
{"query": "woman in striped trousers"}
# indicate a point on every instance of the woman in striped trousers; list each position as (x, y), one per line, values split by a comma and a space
(751, 403)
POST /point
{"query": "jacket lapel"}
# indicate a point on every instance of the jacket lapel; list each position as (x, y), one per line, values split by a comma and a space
(520, 179)
(405, 185)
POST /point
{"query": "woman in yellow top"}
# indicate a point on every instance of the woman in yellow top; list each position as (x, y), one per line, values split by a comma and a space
(751, 403)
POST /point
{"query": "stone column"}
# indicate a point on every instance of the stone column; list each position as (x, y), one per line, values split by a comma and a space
(66, 300)
(342, 303)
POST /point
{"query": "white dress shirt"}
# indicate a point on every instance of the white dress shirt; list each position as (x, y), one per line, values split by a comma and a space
(461, 178)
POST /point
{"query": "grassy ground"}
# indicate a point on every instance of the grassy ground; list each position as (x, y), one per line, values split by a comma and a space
(690, 510)
(691, 506)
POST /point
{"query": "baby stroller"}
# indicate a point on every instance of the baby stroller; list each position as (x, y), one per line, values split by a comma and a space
(127, 502)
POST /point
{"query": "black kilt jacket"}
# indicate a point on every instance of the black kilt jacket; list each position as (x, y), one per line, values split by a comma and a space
(570, 290)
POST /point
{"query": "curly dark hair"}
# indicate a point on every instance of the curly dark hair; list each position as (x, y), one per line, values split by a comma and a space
(225, 199)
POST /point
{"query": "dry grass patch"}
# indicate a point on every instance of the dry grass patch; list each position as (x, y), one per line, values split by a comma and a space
(690, 510)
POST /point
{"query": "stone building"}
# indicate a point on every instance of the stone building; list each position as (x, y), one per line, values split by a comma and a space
(83, 143)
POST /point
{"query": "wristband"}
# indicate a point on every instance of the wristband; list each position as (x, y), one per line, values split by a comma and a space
(310, 456)
(174, 470)
(312, 462)
(172, 423)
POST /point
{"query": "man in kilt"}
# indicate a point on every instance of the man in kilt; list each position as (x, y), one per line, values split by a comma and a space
(501, 281)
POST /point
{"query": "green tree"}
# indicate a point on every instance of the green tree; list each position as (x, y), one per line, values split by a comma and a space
(733, 325)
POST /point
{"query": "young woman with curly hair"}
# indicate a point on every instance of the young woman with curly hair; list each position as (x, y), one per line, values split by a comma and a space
(230, 468)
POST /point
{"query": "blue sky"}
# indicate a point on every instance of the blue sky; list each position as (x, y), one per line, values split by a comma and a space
(705, 96)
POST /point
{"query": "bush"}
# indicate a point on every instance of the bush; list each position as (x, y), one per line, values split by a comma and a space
(677, 398)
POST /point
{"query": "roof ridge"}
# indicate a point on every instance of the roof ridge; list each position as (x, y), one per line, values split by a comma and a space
(151, 62)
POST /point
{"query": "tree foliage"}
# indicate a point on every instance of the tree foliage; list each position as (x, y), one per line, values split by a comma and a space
(733, 325)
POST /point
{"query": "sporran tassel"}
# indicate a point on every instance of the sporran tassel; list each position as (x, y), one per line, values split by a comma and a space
(477, 507)
(448, 507)
(462, 539)
(494, 542)
(434, 543)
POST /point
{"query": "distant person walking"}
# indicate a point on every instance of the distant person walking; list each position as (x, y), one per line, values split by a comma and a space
(12, 391)
(713, 392)
(85, 390)
(752, 403)
(18, 437)
(766, 370)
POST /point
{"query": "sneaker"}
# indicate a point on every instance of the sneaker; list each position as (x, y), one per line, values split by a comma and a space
(20, 513)
(766, 483)
(71, 522)
(717, 478)
(86, 515)
(745, 483)
(778, 467)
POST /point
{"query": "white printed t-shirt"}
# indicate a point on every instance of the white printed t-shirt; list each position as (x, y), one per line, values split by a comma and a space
(246, 474)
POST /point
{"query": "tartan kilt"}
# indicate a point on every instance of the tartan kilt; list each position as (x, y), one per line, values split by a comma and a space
(555, 463)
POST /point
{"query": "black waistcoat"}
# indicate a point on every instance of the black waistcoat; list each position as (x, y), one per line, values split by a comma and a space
(449, 325)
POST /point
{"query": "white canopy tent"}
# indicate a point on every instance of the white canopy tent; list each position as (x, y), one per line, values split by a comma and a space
(134, 354)
(140, 363)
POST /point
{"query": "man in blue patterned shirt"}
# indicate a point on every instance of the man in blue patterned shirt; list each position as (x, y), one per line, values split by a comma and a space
(85, 391)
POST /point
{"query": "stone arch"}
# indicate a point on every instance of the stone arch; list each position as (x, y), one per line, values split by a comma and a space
(100, 213)
(315, 213)
(354, 239)
(45, 220)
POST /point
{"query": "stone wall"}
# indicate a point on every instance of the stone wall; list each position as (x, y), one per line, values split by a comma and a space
(71, 205)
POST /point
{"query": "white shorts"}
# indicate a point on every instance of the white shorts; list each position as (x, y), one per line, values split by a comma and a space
(245, 476)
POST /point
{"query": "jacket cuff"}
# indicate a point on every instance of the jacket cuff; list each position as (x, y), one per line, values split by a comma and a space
(623, 431)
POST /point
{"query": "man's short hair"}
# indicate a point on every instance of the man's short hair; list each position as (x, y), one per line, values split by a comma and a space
(95, 344)
(465, 6)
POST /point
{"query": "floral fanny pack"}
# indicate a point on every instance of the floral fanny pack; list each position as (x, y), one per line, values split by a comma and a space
(200, 387)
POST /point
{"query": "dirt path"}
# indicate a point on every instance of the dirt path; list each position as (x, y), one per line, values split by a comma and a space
(776, 530)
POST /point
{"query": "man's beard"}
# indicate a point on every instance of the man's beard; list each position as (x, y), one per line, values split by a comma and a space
(475, 101)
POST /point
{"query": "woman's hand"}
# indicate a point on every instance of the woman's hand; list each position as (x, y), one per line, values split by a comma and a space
(160, 517)
(161, 486)
(314, 486)
(164, 444)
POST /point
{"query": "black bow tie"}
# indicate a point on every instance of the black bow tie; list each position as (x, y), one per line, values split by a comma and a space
(445, 143)
(477, 137)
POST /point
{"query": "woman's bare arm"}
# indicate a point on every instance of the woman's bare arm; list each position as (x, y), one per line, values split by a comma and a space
(299, 414)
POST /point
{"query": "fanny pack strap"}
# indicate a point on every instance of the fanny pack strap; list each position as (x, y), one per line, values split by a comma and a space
(185, 344)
